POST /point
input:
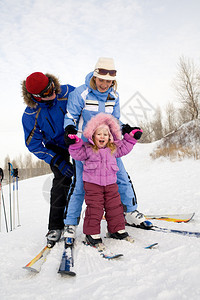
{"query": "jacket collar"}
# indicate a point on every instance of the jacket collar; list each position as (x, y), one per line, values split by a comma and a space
(47, 104)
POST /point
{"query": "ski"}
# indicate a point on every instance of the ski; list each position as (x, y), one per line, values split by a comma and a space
(104, 251)
(131, 240)
(36, 263)
(178, 231)
(178, 218)
(149, 226)
(152, 246)
(67, 260)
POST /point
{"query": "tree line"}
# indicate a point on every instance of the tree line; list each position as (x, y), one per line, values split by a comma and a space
(27, 166)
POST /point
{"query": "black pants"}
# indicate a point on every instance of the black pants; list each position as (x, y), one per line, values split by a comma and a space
(58, 200)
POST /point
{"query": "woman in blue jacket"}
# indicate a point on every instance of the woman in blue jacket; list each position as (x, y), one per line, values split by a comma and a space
(43, 121)
(98, 94)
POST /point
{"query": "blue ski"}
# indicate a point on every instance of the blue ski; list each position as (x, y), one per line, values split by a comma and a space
(150, 226)
(178, 231)
(67, 260)
(152, 246)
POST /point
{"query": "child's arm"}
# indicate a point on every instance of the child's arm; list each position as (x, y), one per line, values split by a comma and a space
(77, 150)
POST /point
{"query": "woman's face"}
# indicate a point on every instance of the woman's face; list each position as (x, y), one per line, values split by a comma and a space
(102, 84)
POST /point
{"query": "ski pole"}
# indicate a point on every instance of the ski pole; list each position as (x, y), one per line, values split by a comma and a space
(13, 202)
(0, 195)
(4, 211)
(9, 170)
(1, 188)
(4, 208)
(17, 189)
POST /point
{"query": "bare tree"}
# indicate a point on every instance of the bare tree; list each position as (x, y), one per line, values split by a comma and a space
(148, 134)
(187, 85)
(171, 118)
(156, 124)
(6, 161)
(28, 161)
(152, 128)
(20, 161)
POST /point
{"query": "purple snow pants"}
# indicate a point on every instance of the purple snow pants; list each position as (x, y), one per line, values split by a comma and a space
(99, 198)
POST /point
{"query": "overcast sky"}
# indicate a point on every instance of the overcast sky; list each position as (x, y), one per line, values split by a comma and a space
(66, 37)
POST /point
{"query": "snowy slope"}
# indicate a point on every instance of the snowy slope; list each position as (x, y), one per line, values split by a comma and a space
(170, 272)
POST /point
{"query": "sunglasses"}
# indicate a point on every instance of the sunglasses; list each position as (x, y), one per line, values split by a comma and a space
(105, 72)
(48, 91)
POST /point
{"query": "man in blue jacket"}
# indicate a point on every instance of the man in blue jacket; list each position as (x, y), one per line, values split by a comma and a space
(43, 121)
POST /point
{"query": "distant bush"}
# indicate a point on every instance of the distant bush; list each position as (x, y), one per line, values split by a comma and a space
(181, 143)
(176, 152)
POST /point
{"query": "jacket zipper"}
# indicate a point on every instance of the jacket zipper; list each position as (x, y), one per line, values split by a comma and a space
(50, 124)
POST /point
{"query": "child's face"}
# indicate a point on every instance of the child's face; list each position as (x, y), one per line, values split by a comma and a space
(101, 137)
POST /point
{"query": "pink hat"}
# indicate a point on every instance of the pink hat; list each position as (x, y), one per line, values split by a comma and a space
(106, 121)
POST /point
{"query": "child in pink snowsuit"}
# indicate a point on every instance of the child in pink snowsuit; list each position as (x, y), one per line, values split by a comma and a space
(99, 174)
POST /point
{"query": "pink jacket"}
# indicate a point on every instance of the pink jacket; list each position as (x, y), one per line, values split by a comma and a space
(101, 167)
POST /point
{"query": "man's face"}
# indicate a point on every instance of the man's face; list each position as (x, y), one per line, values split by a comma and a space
(49, 98)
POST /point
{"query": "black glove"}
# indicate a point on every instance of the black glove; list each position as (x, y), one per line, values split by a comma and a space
(127, 129)
(66, 168)
(70, 129)
(59, 150)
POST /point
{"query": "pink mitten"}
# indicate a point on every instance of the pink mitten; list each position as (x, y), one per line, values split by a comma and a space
(74, 137)
(136, 133)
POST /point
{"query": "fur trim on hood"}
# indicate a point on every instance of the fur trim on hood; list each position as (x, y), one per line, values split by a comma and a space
(29, 99)
(103, 119)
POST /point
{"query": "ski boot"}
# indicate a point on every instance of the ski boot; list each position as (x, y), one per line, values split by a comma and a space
(137, 219)
(95, 241)
(69, 231)
(121, 235)
(53, 236)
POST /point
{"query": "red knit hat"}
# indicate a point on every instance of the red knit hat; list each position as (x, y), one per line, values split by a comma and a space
(36, 82)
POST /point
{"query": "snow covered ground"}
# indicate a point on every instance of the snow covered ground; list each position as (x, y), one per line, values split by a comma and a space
(170, 272)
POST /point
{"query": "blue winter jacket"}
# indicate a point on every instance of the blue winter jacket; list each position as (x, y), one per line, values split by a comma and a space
(44, 124)
(85, 102)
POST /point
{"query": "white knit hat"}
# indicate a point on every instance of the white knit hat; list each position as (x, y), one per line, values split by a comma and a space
(105, 63)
